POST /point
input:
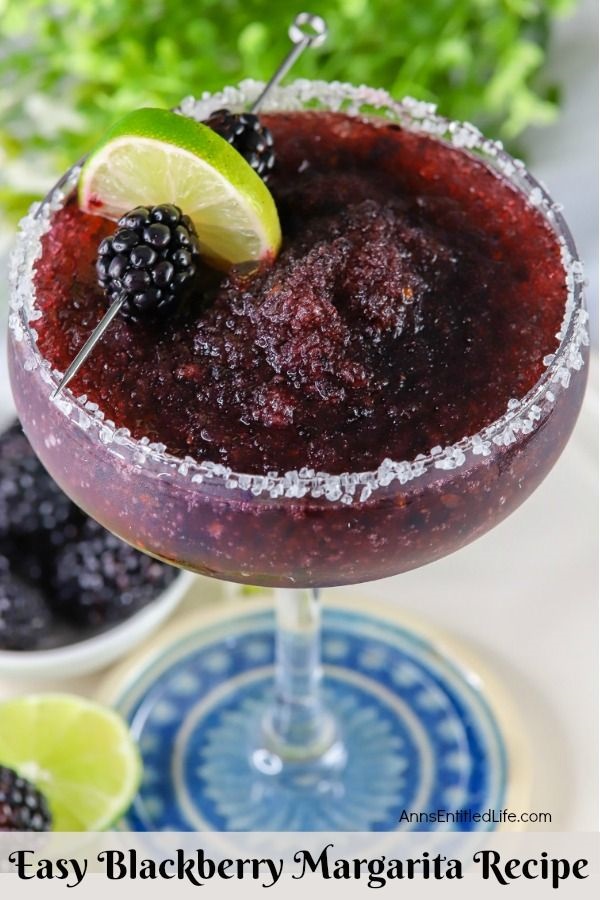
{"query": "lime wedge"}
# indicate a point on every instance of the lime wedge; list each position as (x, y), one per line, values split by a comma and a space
(78, 754)
(154, 156)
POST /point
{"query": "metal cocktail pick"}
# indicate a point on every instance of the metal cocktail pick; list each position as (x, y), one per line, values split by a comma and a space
(307, 30)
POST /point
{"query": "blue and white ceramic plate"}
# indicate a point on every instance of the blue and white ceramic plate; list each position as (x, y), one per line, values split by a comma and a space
(419, 735)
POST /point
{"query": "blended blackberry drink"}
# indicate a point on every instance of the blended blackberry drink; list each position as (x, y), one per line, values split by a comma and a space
(368, 401)
(395, 372)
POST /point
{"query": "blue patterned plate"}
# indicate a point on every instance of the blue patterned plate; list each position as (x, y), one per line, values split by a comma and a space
(418, 734)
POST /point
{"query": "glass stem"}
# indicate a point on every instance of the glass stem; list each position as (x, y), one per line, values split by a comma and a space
(297, 726)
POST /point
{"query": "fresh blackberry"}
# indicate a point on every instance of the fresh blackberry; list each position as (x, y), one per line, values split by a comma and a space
(248, 136)
(101, 580)
(151, 258)
(31, 503)
(25, 617)
(22, 806)
(25, 560)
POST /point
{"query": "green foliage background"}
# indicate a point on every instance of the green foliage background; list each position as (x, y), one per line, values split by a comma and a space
(69, 67)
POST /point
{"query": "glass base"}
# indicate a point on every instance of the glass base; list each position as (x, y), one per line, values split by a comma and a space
(415, 735)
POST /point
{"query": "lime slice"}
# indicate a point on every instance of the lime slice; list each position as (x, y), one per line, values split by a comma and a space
(154, 156)
(78, 754)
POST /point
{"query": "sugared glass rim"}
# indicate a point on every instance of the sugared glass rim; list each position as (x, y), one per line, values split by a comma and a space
(349, 487)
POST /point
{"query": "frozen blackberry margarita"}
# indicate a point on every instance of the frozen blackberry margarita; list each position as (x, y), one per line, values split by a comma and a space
(353, 408)
(384, 388)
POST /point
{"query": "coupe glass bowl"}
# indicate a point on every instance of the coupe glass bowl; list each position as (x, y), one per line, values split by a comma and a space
(303, 528)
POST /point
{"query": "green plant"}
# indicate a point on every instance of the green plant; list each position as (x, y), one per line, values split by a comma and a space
(70, 67)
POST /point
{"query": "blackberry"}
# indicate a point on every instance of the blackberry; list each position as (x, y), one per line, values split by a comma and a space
(100, 580)
(151, 258)
(25, 617)
(22, 806)
(31, 504)
(248, 136)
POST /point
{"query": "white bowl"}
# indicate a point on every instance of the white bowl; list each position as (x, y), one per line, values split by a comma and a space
(96, 652)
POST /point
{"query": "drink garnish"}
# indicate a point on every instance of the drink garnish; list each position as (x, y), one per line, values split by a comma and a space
(246, 133)
(156, 157)
(151, 260)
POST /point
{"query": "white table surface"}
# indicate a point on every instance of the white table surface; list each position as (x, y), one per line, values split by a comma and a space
(524, 597)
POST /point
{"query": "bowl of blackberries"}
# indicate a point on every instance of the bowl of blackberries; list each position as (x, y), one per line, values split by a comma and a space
(73, 597)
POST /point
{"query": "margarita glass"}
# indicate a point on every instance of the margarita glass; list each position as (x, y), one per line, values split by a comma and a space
(303, 530)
